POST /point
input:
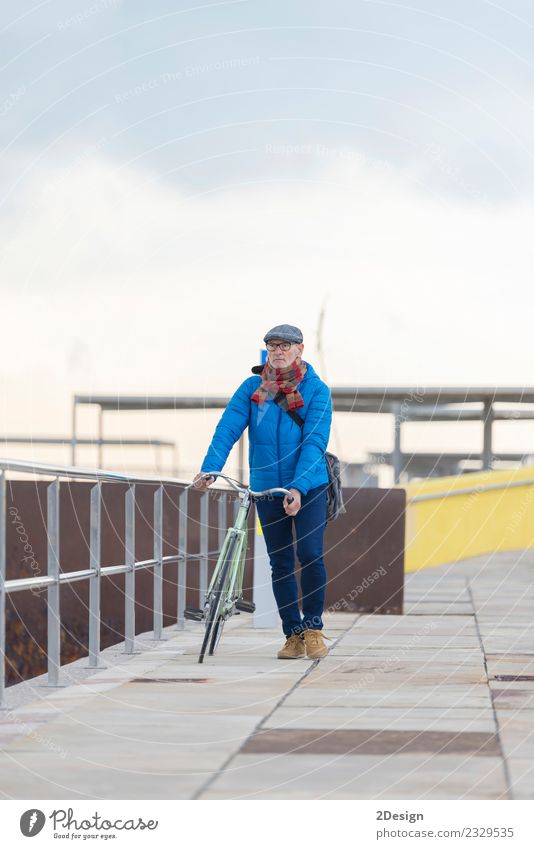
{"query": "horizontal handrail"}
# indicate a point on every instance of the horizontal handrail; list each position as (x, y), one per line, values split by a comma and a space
(92, 474)
(95, 440)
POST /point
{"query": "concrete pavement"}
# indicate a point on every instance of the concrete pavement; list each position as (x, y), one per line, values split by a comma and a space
(435, 704)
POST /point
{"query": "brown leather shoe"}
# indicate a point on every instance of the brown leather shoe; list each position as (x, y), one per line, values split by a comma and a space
(314, 643)
(294, 647)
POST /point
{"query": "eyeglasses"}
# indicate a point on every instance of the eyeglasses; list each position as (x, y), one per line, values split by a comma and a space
(284, 346)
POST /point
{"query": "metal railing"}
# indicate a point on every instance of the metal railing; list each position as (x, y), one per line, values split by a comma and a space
(55, 578)
(99, 442)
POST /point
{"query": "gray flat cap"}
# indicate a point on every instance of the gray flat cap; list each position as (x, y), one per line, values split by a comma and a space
(287, 332)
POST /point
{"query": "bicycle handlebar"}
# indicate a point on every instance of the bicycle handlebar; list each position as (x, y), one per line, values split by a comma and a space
(242, 487)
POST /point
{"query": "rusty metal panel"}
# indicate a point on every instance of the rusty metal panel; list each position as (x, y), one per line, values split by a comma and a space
(364, 552)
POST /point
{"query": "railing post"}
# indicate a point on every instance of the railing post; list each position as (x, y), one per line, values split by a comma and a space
(2, 587)
(397, 445)
(266, 613)
(129, 577)
(100, 437)
(158, 568)
(53, 591)
(237, 505)
(95, 580)
(241, 457)
(487, 447)
(182, 558)
(73, 436)
(203, 560)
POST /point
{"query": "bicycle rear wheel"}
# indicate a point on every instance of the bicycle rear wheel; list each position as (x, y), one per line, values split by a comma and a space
(213, 624)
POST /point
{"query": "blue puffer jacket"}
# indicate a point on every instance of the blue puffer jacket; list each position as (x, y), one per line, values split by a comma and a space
(281, 453)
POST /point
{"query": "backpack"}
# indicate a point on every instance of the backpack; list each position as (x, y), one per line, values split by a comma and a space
(334, 492)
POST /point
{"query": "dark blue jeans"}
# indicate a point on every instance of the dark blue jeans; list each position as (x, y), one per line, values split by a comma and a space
(277, 528)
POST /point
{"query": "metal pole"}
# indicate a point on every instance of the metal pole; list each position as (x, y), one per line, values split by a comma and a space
(129, 577)
(397, 455)
(182, 562)
(73, 436)
(95, 579)
(487, 450)
(241, 456)
(221, 518)
(2, 586)
(203, 561)
(53, 591)
(158, 568)
(237, 505)
(266, 613)
(100, 438)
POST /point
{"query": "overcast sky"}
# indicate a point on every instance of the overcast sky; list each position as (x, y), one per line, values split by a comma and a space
(175, 178)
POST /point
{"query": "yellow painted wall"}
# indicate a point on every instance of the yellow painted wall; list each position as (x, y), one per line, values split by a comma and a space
(453, 528)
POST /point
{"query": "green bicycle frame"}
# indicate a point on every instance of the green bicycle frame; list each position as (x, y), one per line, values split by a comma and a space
(234, 584)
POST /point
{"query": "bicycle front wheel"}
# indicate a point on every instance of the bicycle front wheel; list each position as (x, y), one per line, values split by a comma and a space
(216, 632)
(213, 623)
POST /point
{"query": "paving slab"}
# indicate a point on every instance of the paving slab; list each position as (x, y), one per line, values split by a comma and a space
(410, 719)
(323, 697)
(359, 777)
(522, 777)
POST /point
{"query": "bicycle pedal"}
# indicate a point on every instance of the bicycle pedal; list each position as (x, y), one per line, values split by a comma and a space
(194, 613)
(245, 606)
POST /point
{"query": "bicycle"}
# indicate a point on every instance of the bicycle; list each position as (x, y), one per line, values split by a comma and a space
(225, 591)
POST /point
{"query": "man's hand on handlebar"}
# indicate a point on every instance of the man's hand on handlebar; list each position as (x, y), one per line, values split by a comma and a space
(292, 508)
(201, 483)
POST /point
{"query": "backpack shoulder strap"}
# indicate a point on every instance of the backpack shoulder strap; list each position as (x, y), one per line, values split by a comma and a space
(295, 416)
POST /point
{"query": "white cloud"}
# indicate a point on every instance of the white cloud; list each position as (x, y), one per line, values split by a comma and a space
(158, 292)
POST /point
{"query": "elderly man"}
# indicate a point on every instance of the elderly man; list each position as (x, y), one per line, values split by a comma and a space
(283, 454)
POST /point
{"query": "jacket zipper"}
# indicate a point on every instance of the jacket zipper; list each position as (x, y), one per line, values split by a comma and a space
(278, 444)
(280, 412)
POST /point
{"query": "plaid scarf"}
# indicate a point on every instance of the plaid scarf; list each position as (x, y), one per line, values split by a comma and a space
(285, 380)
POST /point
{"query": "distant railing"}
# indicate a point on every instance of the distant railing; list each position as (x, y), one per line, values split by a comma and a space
(99, 442)
(55, 578)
